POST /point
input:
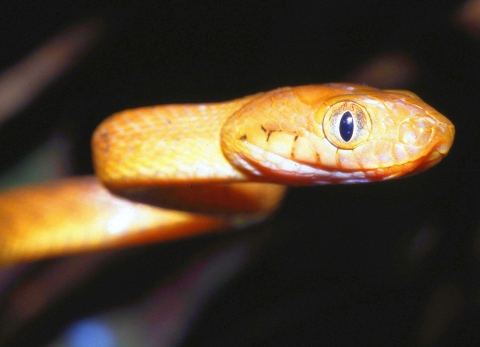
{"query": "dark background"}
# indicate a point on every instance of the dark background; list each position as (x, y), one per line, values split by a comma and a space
(343, 265)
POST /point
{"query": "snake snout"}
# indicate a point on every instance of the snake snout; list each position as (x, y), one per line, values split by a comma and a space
(445, 138)
(432, 137)
(442, 141)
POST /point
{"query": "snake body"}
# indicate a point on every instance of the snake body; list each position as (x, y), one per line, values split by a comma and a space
(229, 161)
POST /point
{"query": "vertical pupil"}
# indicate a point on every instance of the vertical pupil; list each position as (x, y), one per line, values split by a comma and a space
(346, 126)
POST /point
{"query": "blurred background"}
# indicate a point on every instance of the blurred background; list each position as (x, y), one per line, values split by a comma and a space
(393, 263)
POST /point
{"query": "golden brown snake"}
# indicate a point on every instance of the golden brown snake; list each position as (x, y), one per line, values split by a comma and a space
(228, 161)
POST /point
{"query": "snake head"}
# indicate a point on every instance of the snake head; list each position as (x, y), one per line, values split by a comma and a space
(336, 133)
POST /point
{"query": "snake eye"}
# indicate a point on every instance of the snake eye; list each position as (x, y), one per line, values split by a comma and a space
(347, 124)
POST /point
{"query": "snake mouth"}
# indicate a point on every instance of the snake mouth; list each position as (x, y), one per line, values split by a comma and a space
(433, 158)
(289, 172)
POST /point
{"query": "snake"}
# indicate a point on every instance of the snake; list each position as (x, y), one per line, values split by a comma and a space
(172, 171)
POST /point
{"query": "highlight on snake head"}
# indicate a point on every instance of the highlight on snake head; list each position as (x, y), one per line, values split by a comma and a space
(337, 133)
